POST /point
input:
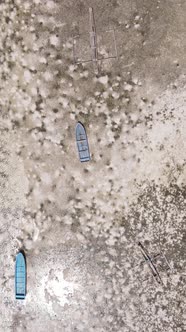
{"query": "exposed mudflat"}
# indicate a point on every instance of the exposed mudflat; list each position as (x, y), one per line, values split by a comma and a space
(79, 224)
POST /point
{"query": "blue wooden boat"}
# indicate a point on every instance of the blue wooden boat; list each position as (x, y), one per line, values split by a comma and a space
(82, 143)
(20, 276)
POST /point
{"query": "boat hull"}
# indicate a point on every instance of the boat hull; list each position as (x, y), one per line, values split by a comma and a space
(82, 143)
(20, 277)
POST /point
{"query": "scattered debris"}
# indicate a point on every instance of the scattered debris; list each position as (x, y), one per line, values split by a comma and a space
(152, 262)
(95, 55)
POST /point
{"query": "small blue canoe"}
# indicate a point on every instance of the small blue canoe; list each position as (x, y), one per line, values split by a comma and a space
(82, 143)
(20, 277)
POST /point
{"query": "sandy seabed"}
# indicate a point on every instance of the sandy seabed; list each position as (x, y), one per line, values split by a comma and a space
(79, 224)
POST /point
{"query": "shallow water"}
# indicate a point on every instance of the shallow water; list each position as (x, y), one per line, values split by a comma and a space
(79, 223)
